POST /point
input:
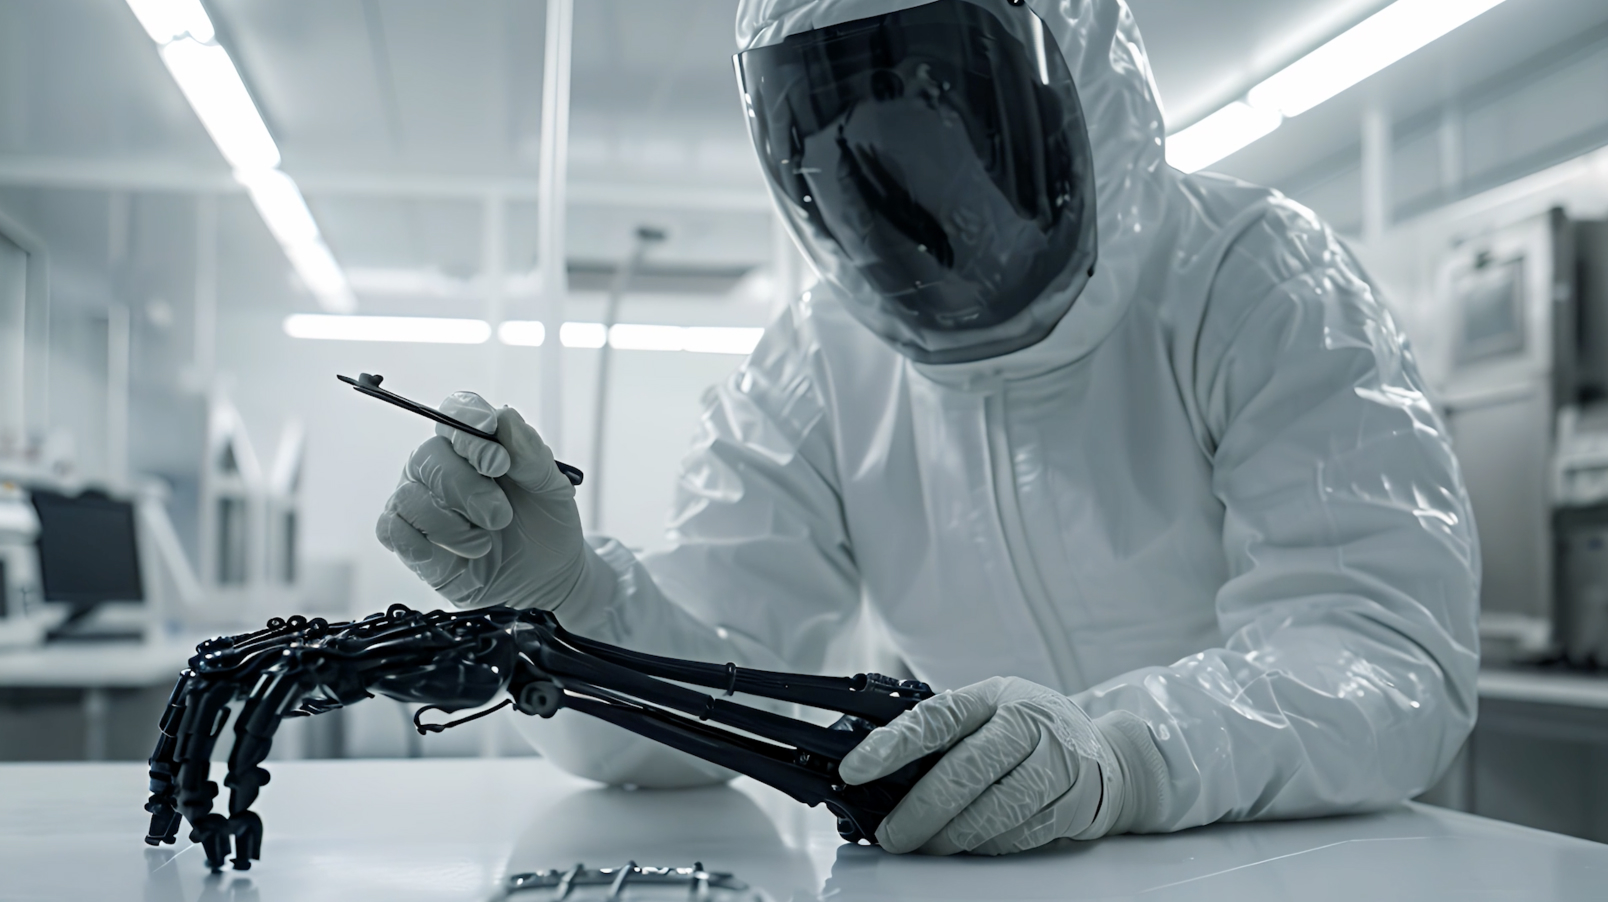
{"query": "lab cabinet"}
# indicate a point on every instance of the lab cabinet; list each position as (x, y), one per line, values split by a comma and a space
(1520, 368)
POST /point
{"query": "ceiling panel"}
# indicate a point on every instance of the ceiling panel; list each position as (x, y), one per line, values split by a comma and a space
(399, 84)
(80, 78)
(1500, 45)
(397, 232)
(455, 88)
(1205, 54)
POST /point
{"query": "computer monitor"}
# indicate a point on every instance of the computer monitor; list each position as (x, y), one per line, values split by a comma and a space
(88, 553)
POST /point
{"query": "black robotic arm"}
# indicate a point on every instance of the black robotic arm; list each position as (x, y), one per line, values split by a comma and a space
(455, 660)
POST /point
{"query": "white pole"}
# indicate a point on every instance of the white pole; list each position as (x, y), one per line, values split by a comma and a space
(206, 292)
(493, 263)
(1450, 140)
(1376, 151)
(550, 202)
(13, 347)
(118, 342)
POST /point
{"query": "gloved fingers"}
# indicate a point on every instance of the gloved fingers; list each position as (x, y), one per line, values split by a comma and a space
(402, 539)
(1034, 832)
(1040, 781)
(962, 775)
(930, 726)
(531, 461)
(458, 486)
(439, 568)
(446, 528)
(1066, 817)
(488, 458)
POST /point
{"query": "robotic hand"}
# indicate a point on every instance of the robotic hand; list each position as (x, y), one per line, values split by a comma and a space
(455, 660)
(488, 523)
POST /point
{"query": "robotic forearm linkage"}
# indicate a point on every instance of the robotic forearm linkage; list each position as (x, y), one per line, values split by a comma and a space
(455, 660)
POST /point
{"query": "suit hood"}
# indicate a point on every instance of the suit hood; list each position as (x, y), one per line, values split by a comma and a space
(1102, 48)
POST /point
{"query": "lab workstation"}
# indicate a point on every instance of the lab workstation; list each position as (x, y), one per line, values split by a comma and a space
(787, 450)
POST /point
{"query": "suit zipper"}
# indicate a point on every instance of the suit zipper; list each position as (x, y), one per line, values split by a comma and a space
(1057, 641)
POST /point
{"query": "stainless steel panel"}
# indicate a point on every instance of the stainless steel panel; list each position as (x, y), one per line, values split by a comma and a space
(1581, 626)
(1506, 458)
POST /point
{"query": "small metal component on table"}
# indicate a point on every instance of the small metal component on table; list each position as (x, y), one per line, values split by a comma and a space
(369, 384)
(581, 884)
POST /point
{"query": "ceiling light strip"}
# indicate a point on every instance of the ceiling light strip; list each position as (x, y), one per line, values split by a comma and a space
(739, 340)
(210, 82)
(413, 329)
(1365, 49)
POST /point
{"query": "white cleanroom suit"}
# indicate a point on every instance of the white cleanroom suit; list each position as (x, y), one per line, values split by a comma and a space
(1214, 500)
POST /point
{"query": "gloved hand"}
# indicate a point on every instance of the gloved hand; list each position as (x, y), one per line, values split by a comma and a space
(491, 522)
(1024, 765)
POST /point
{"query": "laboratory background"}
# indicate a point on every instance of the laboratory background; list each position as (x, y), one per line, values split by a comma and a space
(202, 225)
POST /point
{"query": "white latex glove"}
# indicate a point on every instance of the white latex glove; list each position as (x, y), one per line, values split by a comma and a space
(491, 522)
(1023, 766)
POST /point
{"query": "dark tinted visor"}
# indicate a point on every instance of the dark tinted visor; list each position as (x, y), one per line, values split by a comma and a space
(935, 156)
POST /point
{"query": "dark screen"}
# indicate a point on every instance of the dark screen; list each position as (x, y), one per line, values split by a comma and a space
(86, 548)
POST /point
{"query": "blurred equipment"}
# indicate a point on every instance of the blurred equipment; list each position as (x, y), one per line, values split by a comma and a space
(230, 482)
(249, 521)
(19, 564)
(1580, 628)
(88, 556)
(1526, 401)
(282, 511)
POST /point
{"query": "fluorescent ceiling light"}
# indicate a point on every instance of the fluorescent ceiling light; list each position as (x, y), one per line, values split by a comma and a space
(283, 209)
(1376, 42)
(528, 333)
(723, 339)
(1233, 127)
(629, 337)
(582, 335)
(433, 330)
(1363, 50)
(167, 20)
(281, 204)
(317, 268)
(213, 86)
(739, 340)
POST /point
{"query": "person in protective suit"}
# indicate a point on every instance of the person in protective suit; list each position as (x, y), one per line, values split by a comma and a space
(1133, 463)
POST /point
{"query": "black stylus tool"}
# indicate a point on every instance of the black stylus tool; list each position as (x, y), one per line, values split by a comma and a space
(369, 384)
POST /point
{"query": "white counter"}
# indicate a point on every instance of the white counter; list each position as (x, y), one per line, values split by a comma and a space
(446, 830)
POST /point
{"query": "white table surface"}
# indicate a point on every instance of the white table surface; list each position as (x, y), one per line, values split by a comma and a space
(445, 830)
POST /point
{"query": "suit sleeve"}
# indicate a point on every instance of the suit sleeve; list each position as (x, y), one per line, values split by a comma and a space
(1346, 677)
(758, 568)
